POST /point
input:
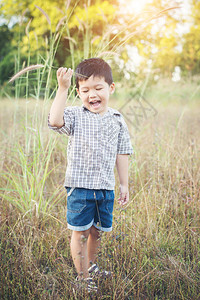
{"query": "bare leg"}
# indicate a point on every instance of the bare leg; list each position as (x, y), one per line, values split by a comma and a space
(93, 243)
(79, 252)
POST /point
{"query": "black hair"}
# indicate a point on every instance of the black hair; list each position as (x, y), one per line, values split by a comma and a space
(93, 66)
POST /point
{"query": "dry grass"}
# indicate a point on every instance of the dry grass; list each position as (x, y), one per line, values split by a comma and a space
(154, 249)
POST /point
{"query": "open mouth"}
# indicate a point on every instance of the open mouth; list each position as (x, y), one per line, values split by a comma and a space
(95, 104)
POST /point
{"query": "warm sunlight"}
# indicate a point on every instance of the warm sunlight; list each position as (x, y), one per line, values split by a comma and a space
(133, 5)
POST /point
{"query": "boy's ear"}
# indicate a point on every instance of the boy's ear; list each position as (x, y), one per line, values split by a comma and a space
(112, 88)
(78, 92)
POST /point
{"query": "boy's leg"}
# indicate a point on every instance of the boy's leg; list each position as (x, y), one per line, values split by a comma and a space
(79, 252)
(93, 243)
(84, 249)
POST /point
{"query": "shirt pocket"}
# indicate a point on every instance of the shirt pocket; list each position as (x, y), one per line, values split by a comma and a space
(76, 200)
(111, 132)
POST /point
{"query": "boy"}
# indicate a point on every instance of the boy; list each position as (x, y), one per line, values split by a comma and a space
(98, 139)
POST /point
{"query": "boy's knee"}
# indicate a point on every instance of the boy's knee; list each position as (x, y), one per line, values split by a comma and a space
(82, 236)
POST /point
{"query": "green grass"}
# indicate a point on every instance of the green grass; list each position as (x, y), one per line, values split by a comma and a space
(154, 248)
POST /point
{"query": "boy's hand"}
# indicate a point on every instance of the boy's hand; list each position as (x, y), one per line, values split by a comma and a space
(124, 195)
(64, 77)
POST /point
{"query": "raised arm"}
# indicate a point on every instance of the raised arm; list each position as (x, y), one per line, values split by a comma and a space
(122, 169)
(58, 105)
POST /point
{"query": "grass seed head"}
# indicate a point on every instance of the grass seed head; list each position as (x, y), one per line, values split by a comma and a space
(27, 69)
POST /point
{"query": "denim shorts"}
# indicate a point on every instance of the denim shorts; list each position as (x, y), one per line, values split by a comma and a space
(87, 207)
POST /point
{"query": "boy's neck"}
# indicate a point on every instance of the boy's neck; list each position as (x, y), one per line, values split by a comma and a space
(103, 112)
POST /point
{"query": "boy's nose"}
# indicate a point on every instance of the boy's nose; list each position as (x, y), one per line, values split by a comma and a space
(92, 94)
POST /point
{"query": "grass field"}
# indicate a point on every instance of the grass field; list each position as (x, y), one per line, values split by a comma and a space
(154, 248)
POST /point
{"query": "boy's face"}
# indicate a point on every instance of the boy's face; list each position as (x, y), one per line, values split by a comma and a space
(94, 93)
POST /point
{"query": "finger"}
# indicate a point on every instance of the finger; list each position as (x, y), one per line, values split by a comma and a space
(64, 71)
(123, 196)
(122, 203)
(123, 199)
(59, 71)
(125, 202)
(69, 73)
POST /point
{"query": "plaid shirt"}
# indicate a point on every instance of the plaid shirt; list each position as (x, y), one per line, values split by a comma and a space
(94, 142)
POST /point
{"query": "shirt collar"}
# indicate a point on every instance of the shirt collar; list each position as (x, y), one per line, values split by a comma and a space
(112, 111)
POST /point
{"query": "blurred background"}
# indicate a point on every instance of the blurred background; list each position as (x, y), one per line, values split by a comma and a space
(158, 39)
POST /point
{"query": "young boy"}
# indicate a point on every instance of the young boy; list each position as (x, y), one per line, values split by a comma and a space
(98, 139)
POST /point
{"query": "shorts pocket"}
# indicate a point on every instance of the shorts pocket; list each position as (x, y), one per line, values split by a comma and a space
(109, 206)
(76, 200)
(110, 201)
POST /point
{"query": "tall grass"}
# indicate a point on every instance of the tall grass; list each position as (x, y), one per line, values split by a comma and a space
(154, 248)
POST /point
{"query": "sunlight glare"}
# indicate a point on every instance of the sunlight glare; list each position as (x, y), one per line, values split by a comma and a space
(135, 6)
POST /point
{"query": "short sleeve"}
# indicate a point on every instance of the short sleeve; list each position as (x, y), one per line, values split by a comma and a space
(68, 127)
(124, 142)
